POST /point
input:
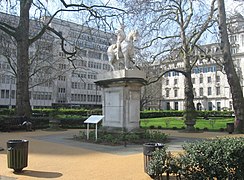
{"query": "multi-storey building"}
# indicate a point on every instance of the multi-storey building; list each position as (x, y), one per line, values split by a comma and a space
(56, 79)
(210, 86)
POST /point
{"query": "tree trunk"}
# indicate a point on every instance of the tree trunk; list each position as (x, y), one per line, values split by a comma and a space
(233, 79)
(22, 85)
(190, 113)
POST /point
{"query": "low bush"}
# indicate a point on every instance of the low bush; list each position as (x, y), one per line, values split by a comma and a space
(155, 114)
(123, 138)
(73, 122)
(221, 158)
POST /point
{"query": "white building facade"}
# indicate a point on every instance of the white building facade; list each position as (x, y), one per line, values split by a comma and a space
(210, 85)
(55, 80)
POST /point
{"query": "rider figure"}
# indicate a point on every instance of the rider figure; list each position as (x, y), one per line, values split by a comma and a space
(120, 37)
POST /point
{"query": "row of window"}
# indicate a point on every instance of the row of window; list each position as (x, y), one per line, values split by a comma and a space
(201, 92)
(209, 80)
(41, 82)
(209, 91)
(80, 85)
(4, 66)
(84, 97)
(91, 45)
(204, 69)
(88, 37)
(173, 73)
(42, 95)
(7, 79)
(91, 64)
(79, 74)
(84, 75)
(167, 94)
(198, 106)
(5, 93)
(233, 40)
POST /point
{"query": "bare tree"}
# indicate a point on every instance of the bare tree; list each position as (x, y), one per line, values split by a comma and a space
(233, 79)
(24, 37)
(175, 28)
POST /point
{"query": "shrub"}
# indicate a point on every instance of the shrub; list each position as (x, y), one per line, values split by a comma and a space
(156, 165)
(205, 129)
(155, 136)
(221, 158)
(162, 162)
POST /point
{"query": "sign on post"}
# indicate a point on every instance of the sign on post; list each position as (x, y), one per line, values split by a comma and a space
(93, 119)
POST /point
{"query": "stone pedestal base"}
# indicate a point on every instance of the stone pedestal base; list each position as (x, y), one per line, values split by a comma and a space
(121, 99)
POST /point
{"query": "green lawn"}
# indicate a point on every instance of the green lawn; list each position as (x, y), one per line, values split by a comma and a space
(170, 122)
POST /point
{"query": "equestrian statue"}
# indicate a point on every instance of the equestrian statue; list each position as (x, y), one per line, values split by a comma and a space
(123, 51)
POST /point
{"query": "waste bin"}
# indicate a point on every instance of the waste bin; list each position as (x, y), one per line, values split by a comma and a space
(17, 154)
(148, 149)
(230, 127)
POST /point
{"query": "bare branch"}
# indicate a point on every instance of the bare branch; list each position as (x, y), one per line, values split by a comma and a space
(10, 30)
(165, 72)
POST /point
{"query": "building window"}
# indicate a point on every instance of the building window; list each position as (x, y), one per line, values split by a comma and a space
(193, 80)
(209, 91)
(61, 78)
(61, 90)
(199, 106)
(176, 93)
(210, 106)
(233, 50)
(12, 95)
(233, 38)
(168, 106)
(200, 91)
(218, 106)
(194, 92)
(175, 81)
(217, 91)
(176, 105)
(167, 82)
(201, 79)
(62, 66)
(2, 93)
(217, 78)
(167, 92)
(242, 39)
(7, 93)
(209, 79)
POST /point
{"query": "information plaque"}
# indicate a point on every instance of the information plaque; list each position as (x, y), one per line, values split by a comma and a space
(93, 119)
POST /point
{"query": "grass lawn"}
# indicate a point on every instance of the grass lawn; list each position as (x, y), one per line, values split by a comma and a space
(171, 122)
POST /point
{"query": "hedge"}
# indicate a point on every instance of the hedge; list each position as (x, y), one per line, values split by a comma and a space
(156, 114)
(48, 112)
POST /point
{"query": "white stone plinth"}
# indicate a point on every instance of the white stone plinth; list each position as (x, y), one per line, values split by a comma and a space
(121, 98)
(122, 74)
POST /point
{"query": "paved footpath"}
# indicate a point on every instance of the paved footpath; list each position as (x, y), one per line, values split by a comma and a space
(54, 155)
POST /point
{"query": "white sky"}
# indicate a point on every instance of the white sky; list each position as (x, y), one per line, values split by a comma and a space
(232, 6)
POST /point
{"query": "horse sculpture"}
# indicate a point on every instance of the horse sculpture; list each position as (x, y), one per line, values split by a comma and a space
(125, 52)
